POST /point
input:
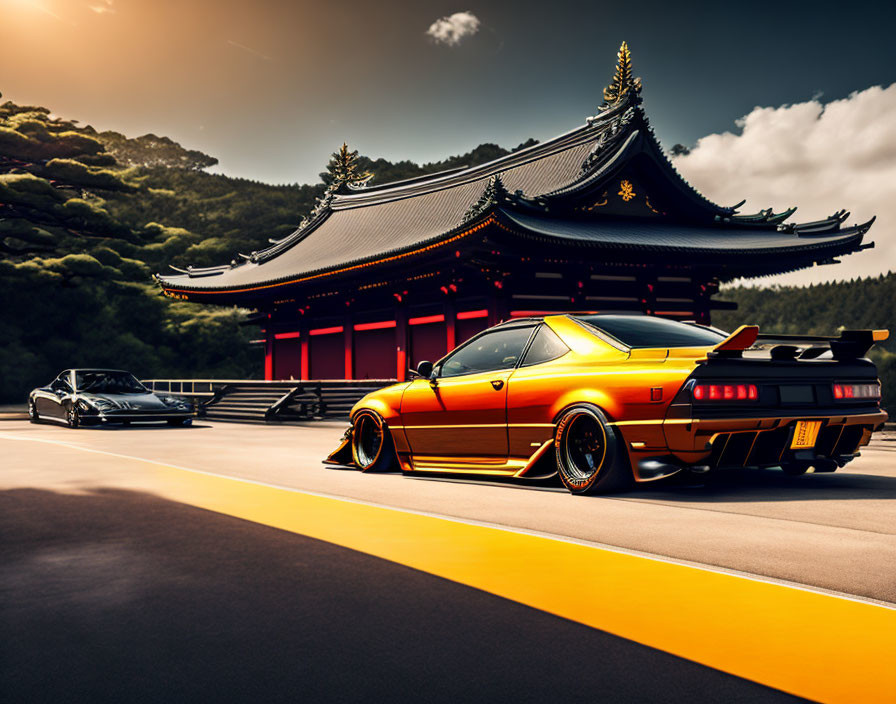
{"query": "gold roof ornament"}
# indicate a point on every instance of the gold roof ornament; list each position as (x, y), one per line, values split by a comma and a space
(623, 83)
(344, 168)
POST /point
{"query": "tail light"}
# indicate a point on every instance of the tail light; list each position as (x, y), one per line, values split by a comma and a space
(845, 392)
(725, 392)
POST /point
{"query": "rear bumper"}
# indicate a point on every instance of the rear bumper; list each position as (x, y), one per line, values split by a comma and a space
(744, 442)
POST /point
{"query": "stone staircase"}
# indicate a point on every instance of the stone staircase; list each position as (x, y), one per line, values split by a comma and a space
(246, 403)
(287, 401)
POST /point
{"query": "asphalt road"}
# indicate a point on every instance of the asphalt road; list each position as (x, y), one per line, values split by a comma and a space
(830, 531)
(111, 593)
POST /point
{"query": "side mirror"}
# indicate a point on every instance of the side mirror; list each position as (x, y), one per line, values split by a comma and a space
(424, 369)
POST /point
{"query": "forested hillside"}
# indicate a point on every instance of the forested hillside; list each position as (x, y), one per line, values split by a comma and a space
(86, 217)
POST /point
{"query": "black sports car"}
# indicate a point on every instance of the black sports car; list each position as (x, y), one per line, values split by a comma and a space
(100, 396)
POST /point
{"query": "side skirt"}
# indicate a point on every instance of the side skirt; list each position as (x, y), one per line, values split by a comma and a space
(517, 467)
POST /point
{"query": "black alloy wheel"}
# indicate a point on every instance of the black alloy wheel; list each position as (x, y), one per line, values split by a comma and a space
(372, 446)
(587, 457)
(73, 417)
(33, 415)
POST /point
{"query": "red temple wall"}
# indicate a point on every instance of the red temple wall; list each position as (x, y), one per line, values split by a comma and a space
(374, 356)
(327, 356)
(382, 349)
(428, 341)
(287, 358)
(465, 329)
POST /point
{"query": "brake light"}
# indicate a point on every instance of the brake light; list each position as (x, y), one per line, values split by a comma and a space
(844, 392)
(725, 392)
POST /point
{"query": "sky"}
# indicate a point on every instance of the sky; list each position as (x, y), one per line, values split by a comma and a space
(271, 87)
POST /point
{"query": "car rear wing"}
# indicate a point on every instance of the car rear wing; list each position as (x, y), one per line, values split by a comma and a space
(850, 344)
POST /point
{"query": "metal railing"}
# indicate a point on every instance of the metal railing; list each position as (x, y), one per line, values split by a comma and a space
(208, 387)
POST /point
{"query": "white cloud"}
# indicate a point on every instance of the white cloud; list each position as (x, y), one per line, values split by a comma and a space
(819, 157)
(104, 8)
(452, 29)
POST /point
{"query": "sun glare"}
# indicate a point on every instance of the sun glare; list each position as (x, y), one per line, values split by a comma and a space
(30, 6)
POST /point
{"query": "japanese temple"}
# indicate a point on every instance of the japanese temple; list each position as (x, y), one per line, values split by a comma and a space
(380, 277)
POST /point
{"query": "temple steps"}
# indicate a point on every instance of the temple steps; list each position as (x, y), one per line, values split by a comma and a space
(258, 402)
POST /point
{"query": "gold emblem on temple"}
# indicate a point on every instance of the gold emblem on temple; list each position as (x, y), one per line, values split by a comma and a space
(626, 190)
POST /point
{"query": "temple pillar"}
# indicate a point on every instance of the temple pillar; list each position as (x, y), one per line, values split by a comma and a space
(498, 308)
(304, 373)
(269, 355)
(450, 324)
(401, 343)
(348, 343)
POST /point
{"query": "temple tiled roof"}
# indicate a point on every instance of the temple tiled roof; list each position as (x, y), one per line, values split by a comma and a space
(533, 193)
(365, 226)
(658, 236)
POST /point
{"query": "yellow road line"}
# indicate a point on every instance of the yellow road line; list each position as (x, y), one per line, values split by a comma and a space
(804, 642)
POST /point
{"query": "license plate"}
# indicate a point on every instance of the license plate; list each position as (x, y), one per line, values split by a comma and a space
(805, 434)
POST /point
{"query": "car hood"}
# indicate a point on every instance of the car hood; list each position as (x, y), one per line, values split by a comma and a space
(130, 401)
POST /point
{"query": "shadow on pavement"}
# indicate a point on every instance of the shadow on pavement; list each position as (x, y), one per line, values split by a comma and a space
(123, 596)
(750, 485)
(747, 485)
(145, 427)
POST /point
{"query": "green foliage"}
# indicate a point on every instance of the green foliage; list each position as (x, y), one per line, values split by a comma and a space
(150, 151)
(90, 217)
(822, 309)
(76, 173)
(74, 265)
(29, 191)
(20, 237)
(385, 171)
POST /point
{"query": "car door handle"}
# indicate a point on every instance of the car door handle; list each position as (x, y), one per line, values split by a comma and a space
(498, 384)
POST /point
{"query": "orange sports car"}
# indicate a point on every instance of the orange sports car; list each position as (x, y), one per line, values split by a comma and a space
(606, 400)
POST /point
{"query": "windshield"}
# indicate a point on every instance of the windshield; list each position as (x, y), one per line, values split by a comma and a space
(646, 331)
(99, 382)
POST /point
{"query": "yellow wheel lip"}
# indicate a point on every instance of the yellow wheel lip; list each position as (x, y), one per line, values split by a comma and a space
(562, 445)
(356, 421)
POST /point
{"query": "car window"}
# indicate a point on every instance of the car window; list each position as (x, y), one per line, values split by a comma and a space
(61, 382)
(111, 382)
(545, 347)
(648, 331)
(500, 349)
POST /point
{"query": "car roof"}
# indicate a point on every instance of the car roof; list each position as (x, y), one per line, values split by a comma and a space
(97, 369)
(533, 319)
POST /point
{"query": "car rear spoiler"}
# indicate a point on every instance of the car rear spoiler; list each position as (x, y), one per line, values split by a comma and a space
(851, 344)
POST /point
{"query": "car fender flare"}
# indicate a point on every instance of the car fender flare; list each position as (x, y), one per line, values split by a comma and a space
(607, 405)
(384, 410)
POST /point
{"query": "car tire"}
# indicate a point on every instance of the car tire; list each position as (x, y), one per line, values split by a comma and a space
(33, 415)
(372, 447)
(590, 455)
(180, 422)
(73, 418)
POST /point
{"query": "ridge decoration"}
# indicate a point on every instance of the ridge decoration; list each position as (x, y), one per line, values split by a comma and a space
(495, 192)
(623, 84)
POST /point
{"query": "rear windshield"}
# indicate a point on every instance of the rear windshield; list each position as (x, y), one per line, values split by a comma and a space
(647, 331)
